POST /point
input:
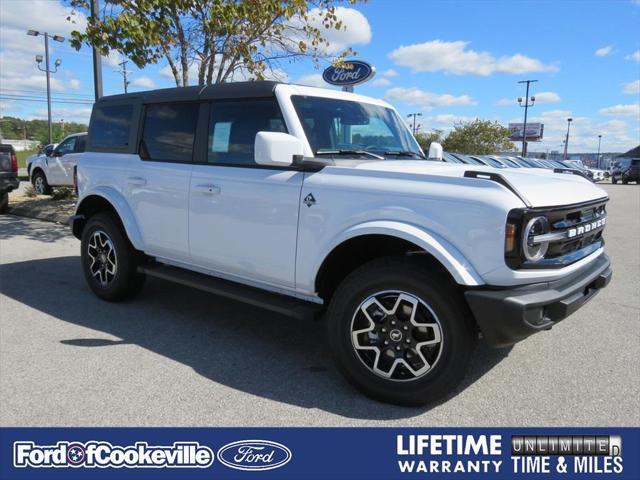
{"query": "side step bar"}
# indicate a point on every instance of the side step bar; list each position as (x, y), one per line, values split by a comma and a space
(282, 304)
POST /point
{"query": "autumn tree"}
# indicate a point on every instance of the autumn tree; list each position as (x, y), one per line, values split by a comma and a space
(222, 39)
(479, 137)
(425, 139)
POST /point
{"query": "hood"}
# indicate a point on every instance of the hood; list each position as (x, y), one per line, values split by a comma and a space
(541, 188)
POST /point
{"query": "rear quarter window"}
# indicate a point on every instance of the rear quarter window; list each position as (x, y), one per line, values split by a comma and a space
(111, 127)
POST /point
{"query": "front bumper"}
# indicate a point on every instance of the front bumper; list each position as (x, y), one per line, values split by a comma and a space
(506, 316)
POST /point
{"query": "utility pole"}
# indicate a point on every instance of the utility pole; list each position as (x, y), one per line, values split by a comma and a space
(566, 141)
(526, 109)
(97, 59)
(47, 70)
(123, 64)
(598, 157)
(414, 125)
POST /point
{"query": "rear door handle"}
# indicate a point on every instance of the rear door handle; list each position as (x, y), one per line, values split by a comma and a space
(207, 189)
(137, 181)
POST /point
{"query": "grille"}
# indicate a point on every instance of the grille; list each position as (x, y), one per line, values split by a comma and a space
(574, 220)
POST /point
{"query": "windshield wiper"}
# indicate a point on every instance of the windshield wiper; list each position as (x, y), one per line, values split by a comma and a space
(404, 153)
(348, 152)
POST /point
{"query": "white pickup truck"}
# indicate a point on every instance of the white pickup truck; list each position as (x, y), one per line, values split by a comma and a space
(320, 204)
(54, 166)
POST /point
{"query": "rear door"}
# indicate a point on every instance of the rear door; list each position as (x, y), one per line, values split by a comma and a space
(159, 189)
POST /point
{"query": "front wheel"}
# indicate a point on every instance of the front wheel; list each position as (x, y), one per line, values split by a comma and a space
(614, 180)
(109, 261)
(40, 184)
(400, 333)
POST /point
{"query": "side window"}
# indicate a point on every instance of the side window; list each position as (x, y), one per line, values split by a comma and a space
(169, 131)
(233, 126)
(81, 143)
(67, 146)
(110, 126)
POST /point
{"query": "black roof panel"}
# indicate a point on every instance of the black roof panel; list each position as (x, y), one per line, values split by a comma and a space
(206, 92)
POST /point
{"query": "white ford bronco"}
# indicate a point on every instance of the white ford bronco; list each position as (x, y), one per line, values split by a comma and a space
(320, 203)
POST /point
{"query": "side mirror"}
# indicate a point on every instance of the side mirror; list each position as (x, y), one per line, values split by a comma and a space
(276, 149)
(55, 153)
(435, 151)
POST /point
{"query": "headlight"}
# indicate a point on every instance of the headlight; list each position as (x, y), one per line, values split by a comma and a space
(533, 249)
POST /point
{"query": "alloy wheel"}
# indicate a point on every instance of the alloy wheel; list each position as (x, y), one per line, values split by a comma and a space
(102, 253)
(396, 335)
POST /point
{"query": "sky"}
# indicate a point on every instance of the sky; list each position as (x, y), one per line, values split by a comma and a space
(450, 61)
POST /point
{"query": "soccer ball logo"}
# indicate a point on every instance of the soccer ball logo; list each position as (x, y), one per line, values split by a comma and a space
(75, 454)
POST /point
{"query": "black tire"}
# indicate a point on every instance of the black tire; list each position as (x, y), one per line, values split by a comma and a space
(625, 181)
(457, 332)
(614, 180)
(119, 256)
(40, 184)
(4, 202)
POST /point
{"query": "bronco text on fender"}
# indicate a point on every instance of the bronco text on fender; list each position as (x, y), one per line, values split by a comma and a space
(306, 201)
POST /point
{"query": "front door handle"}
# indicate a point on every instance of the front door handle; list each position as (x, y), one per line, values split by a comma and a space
(207, 189)
(137, 181)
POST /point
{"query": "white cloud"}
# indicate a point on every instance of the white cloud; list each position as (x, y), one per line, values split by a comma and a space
(635, 56)
(389, 73)
(455, 58)
(312, 80)
(632, 88)
(381, 82)
(79, 115)
(617, 135)
(604, 51)
(541, 97)
(113, 59)
(144, 82)
(427, 100)
(74, 84)
(628, 110)
(547, 97)
(356, 29)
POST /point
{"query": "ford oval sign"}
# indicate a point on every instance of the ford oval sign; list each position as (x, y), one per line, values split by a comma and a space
(254, 455)
(350, 72)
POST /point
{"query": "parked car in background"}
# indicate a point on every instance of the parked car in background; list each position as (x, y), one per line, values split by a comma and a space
(56, 169)
(44, 151)
(626, 170)
(578, 165)
(8, 174)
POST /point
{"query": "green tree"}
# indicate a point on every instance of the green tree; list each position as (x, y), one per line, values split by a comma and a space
(479, 137)
(222, 38)
(425, 139)
(18, 128)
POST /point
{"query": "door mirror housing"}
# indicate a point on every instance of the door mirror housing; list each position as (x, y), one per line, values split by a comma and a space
(56, 153)
(276, 149)
(435, 151)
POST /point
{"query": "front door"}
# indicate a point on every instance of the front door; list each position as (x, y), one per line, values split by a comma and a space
(243, 218)
(55, 164)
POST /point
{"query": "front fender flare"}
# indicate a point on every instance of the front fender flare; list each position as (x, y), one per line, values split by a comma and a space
(120, 205)
(449, 256)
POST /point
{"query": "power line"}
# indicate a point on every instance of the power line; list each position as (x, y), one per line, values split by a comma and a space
(28, 91)
(44, 100)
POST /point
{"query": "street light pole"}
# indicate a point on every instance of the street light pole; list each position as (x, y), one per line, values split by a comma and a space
(598, 157)
(414, 128)
(526, 109)
(47, 70)
(566, 141)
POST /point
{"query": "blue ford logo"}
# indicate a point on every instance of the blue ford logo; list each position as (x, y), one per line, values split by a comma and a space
(254, 455)
(350, 72)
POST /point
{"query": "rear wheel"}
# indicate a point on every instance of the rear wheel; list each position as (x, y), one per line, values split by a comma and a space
(400, 333)
(614, 180)
(40, 184)
(109, 261)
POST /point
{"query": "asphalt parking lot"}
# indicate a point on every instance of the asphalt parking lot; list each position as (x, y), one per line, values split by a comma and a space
(179, 357)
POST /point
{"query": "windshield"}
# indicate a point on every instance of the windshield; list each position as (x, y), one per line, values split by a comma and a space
(347, 127)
